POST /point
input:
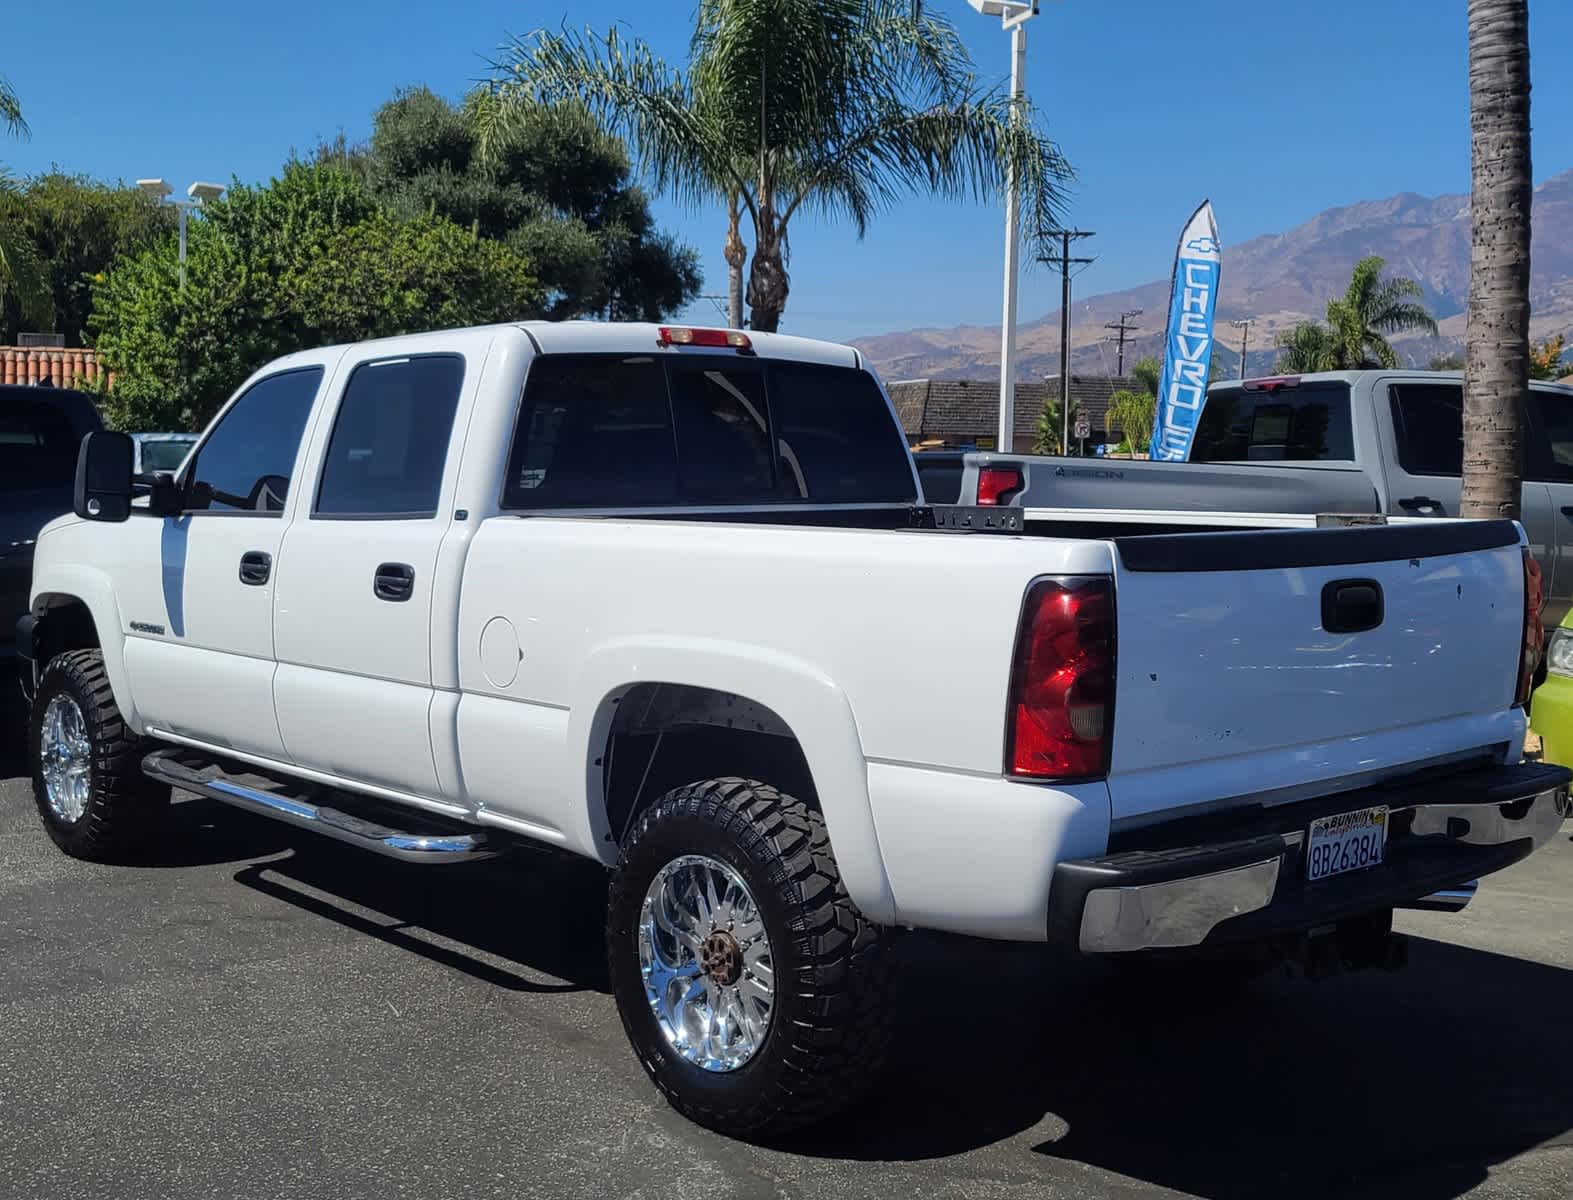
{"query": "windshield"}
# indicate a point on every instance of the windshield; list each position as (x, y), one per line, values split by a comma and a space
(165, 455)
(38, 445)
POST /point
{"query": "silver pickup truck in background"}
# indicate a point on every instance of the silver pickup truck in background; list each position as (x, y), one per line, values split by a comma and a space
(1340, 442)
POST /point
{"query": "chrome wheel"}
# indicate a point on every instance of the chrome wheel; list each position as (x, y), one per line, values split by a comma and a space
(706, 963)
(66, 758)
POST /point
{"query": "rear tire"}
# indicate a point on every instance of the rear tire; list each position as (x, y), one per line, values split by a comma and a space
(828, 1024)
(87, 764)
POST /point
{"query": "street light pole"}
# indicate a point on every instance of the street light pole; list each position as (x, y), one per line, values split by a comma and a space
(196, 194)
(1013, 15)
(1245, 340)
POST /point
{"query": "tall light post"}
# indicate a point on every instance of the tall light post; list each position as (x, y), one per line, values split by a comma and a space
(1245, 339)
(1013, 15)
(196, 195)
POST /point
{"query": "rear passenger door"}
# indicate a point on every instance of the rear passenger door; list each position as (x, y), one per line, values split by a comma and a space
(352, 623)
(1428, 430)
(1550, 460)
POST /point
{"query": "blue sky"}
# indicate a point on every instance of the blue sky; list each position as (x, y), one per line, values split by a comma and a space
(1275, 110)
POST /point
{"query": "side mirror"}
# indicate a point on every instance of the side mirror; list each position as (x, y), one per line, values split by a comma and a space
(103, 477)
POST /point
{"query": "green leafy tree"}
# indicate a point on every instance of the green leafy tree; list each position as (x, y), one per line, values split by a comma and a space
(22, 278)
(1545, 359)
(1308, 347)
(1133, 414)
(1146, 371)
(831, 107)
(306, 259)
(555, 188)
(383, 277)
(1046, 440)
(78, 228)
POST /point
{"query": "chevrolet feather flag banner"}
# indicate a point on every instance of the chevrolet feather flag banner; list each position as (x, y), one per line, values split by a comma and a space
(1188, 340)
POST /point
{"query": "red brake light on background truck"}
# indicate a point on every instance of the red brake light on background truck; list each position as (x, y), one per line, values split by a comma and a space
(1061, 711)
(999, 485)
(1534, 632)
(685, 335)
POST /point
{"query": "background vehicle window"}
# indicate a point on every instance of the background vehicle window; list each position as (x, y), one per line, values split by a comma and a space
(390, 438)
(247, 461)
(1428, 423)
(836, 438)
(593, 431)
(723, 434)
(165, 454)
(38, 446)
(1308, 423)
(1551, 427)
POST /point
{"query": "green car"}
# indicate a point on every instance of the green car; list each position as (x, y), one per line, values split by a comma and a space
(1551, 714)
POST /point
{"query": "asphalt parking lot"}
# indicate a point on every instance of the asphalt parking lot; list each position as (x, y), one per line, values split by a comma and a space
(256, 1014)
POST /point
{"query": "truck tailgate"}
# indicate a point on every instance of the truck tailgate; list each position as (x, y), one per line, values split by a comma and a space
(1231, 685)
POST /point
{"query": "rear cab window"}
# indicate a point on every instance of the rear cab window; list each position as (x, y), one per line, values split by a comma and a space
(607, 431)
(1297, 422)
(38, 446)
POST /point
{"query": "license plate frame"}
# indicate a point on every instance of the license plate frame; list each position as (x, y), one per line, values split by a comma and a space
(1341, 843)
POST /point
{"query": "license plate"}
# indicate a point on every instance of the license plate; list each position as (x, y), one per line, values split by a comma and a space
(1344, 842)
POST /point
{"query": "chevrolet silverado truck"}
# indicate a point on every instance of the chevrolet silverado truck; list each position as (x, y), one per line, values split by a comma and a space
(1289, 449)
(650, 595)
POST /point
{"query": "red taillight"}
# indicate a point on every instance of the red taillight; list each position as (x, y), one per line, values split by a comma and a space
(1271, 383)
(684, 335)
(1534, 632)
(1062, 685)
(999, 485)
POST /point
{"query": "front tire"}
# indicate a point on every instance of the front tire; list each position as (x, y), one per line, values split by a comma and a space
(751, 987)
(86, 763)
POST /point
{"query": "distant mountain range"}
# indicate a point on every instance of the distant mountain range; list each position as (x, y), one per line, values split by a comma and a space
(1276, 281)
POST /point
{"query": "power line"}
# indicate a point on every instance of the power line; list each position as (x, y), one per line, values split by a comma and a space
(1065, 262)
(1123, 327)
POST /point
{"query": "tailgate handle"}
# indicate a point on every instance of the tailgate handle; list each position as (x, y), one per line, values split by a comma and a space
(1351, 605)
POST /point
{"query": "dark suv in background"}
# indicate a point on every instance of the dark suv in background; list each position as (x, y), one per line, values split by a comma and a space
(40, 431)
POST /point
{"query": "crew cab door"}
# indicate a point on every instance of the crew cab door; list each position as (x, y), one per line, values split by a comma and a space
(1424, 476)
(354, 608)
(196, 590)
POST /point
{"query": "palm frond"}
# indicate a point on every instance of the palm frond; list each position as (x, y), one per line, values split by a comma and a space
(11, 112)
(23, 275)
(630, 91)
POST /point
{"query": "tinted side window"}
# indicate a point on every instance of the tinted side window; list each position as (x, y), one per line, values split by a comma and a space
(836, 439)
(723, 434)
(1552, 425)
(593, 431)
(1428, 422)
(390, 438)
(246, 463)
(1308, 423)
(38, 446)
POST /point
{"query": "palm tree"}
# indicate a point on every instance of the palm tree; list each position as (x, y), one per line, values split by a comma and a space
(836, 107)
(1496, 335)
(21, 273)
(1371, 308)
(1308, 347)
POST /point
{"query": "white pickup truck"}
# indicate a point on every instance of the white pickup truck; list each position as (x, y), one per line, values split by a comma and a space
(670, 599)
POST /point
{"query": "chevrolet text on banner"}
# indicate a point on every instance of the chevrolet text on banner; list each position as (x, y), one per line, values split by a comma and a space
(1188, 341)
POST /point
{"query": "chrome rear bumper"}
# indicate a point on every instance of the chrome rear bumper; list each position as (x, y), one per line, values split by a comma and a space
(1249, 882)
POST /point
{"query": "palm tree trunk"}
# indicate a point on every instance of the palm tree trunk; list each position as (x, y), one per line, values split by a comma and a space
(736, 254)
(767, 276)
(1496, 371)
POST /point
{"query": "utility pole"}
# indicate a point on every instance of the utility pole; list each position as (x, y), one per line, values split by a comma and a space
(1064, 262)
(1121, 328)
(1245, 339)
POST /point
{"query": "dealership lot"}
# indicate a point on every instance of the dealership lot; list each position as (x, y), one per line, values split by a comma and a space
(258, 1015)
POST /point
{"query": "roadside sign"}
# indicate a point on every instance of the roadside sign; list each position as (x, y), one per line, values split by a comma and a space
(1083, 428)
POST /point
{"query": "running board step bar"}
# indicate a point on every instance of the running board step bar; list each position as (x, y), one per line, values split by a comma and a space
(268, 797)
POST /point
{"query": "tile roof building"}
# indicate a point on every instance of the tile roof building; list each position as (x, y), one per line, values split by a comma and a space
(74, 368)
(964, 412)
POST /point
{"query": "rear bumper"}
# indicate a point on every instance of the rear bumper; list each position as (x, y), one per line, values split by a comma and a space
(1233, 878)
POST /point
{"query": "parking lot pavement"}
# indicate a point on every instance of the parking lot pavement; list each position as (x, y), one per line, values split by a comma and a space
(256, 1014)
